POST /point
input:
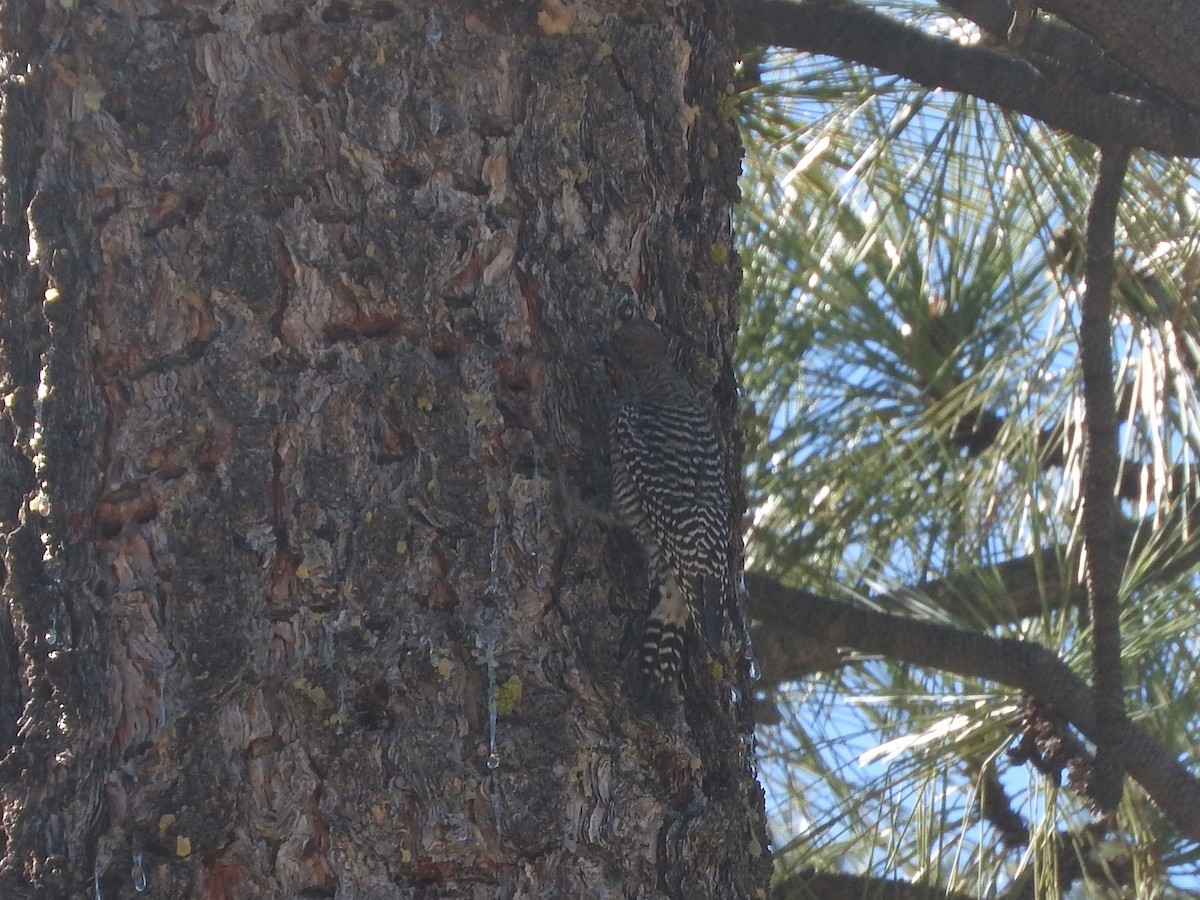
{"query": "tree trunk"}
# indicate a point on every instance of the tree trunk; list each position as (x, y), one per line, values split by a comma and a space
(299, 310)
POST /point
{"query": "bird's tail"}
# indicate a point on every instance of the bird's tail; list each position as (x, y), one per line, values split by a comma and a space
(662, 641)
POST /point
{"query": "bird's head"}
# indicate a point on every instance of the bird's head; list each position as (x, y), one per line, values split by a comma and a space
(637, 348)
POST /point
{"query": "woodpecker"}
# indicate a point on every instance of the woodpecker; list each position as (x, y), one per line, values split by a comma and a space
(669, 487)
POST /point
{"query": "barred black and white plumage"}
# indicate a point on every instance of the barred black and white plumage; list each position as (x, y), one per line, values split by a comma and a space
(669, 486)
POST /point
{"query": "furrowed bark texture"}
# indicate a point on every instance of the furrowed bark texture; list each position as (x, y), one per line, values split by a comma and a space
(299, 303)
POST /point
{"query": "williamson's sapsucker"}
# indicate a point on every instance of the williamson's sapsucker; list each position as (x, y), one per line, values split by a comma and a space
(669, 486)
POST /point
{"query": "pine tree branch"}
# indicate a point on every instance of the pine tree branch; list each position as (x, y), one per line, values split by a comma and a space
(810, 884)
(1051, 44)
(1101, 462)
(1028, 582)
(1037, 582)
(1157, 39)
(798, 617)
(995, 806)
(849, 32)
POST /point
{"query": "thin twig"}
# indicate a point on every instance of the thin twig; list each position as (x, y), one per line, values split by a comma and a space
(1101, 463)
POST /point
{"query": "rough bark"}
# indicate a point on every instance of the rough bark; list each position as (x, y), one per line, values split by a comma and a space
(298, 301)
